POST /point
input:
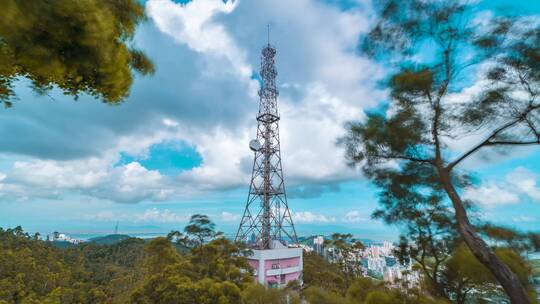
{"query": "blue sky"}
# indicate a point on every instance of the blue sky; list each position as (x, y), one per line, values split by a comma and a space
(178, 145)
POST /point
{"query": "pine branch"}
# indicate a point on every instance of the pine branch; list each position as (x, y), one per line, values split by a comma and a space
(489, 140)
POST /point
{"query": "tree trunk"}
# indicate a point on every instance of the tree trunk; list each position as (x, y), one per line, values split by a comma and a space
(461, 296)
(508, 279)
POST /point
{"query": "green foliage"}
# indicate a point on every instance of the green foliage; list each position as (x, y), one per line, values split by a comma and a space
(346, 254)
(364, 291)
(407, 152)
(135, 271)
(379, 297)
(130, 271)
(160, 255)
(211, 273)
(463, 273)
(178, 289)
(448, 267)
(317, 295)
(318, 272)
(200, 228)
(411, 83)
(507, 237)
(361, 287)
(519, 266)
(32, 271)
(257, 294)
(109, 239)
(427, 244)
(78, 46)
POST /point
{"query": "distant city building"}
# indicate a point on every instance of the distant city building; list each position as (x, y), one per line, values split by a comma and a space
(62, 237)
(375, 251)
(391, 274)
(377, 261)
(318, 243)
(387, 248)
(306, 248)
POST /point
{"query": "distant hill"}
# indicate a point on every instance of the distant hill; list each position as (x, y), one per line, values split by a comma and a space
(63, 244)
(109, 239)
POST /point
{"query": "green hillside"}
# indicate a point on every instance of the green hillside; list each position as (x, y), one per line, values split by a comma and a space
(109, 239)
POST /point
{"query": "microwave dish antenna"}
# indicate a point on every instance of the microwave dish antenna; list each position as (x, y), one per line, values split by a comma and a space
(255, 145)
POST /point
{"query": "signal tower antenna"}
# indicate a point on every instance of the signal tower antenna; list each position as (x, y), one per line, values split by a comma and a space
(268, 33)
(267, 217)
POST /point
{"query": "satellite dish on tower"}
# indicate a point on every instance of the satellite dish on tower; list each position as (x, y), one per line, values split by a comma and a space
(254, 145)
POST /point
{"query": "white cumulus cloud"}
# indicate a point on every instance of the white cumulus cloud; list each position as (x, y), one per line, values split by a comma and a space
(193, 24)
(519, 184)
(203, 94)
(160, 216)
(526, 182)
(229, 217)
(151, 215)
(310, 217)
(491, 195)
(524, 219)
(353, 216)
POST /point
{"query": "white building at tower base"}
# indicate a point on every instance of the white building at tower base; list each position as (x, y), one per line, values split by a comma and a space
(276, 267)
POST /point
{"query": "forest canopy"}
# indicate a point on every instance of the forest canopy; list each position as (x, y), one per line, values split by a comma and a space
(82, 46)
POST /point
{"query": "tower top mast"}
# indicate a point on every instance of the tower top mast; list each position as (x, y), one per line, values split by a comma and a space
(268, 26)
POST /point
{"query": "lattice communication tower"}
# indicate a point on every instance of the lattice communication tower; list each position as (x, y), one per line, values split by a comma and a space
(267, 217)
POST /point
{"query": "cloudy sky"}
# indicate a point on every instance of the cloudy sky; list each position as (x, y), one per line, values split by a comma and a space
(179, 144)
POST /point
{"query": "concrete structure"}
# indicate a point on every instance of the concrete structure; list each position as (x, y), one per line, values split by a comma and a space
(318, 243)
(276, 267)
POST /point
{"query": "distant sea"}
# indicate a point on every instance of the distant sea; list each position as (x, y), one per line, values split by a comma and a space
(142, 235)
(149, 235)
(87, 236)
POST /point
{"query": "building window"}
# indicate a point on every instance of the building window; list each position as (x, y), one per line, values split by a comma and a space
(282, 279)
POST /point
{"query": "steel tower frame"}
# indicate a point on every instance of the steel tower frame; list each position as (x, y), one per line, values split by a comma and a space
(266, 215)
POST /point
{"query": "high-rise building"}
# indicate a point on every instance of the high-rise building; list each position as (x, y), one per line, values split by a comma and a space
(318, 243)
(267, 225)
